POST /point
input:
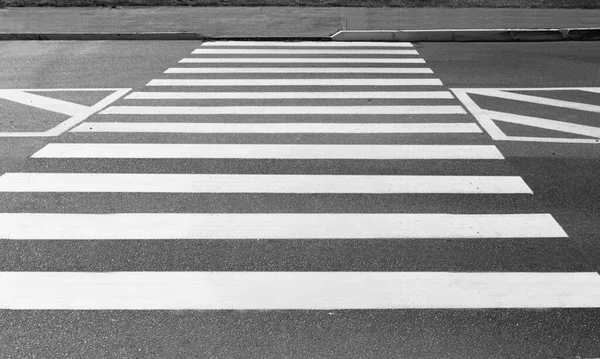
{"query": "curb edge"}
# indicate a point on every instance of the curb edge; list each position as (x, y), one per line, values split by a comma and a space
(442, 35)
(470, 35)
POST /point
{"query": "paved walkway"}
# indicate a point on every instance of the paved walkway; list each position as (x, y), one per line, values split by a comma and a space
(281, 21)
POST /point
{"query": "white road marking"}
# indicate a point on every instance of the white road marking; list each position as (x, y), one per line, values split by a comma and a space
(305, 44)
(298, 70)
(209, 51)
(58, 106)
(201, 183)
(296, 290)
(545, 123)
(296, 82)
(290, 95)
(282, 110)
(484, 119)
(43, 102)
(551, 140)
(162, 226)
(266, 151)
(484, 89)
(371, 60)
(291, 127)
(540, 100)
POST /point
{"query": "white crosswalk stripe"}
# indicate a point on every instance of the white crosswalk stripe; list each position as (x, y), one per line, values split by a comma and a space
(190, 148)
(283, 226)
(303, 60)
(290, 95)
(195, 183)
(289, 127)
(327, 44)
(295, 82)
(210, 51)
(292, 70)
(282, 110)
(297, 290)
(267, 151)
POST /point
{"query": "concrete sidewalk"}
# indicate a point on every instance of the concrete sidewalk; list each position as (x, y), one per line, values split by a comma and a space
(281, 21)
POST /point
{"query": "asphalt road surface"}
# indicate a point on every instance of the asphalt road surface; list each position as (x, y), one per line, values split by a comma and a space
(299, 200)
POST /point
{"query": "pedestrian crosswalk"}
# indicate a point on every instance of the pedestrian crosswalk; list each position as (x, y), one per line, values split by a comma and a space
(323, 145)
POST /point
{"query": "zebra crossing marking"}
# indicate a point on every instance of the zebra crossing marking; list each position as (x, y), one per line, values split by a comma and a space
(283, 110)
(282, 290)
(296, 82)
(243, 183)
(290, 95)
(296, 290)
(282, 226)
(283, 60)
(305, 44)
(217, 51)
(289, 127)
(295, 70)
(267, 151)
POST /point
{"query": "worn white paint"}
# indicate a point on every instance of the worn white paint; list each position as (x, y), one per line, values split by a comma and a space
(296, 290)
(43, 102)
(290, 95)
(545, 123)
(305, 44)
(539, 100)
(298, 70)
(283, 110)
(295, 82)
(217, 51)
(290, 127)
(244, 183)
(158, 226)
(266, 151)
(284, 60)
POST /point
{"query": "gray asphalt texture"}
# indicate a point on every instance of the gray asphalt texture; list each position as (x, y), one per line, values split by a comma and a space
(564, 178)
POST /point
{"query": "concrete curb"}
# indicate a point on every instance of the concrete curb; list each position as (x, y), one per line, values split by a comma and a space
(156, 36)
(103, 36)
(468, 35)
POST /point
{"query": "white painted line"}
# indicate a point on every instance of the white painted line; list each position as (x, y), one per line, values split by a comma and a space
(305, 44)
(61, 107)
(364, 60)
(162, 226)
(282, 110)
(540, 100)
(201, 183)
(75, 120)
(552, 140)
(298, 70)
(296, 82)
(484, 120)
(290, 95)
(545, 124)
(209, 51)
(484, 89)
(65, 89)
(293, 127)
(44, 103)
(264, 151)
(296, 290)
